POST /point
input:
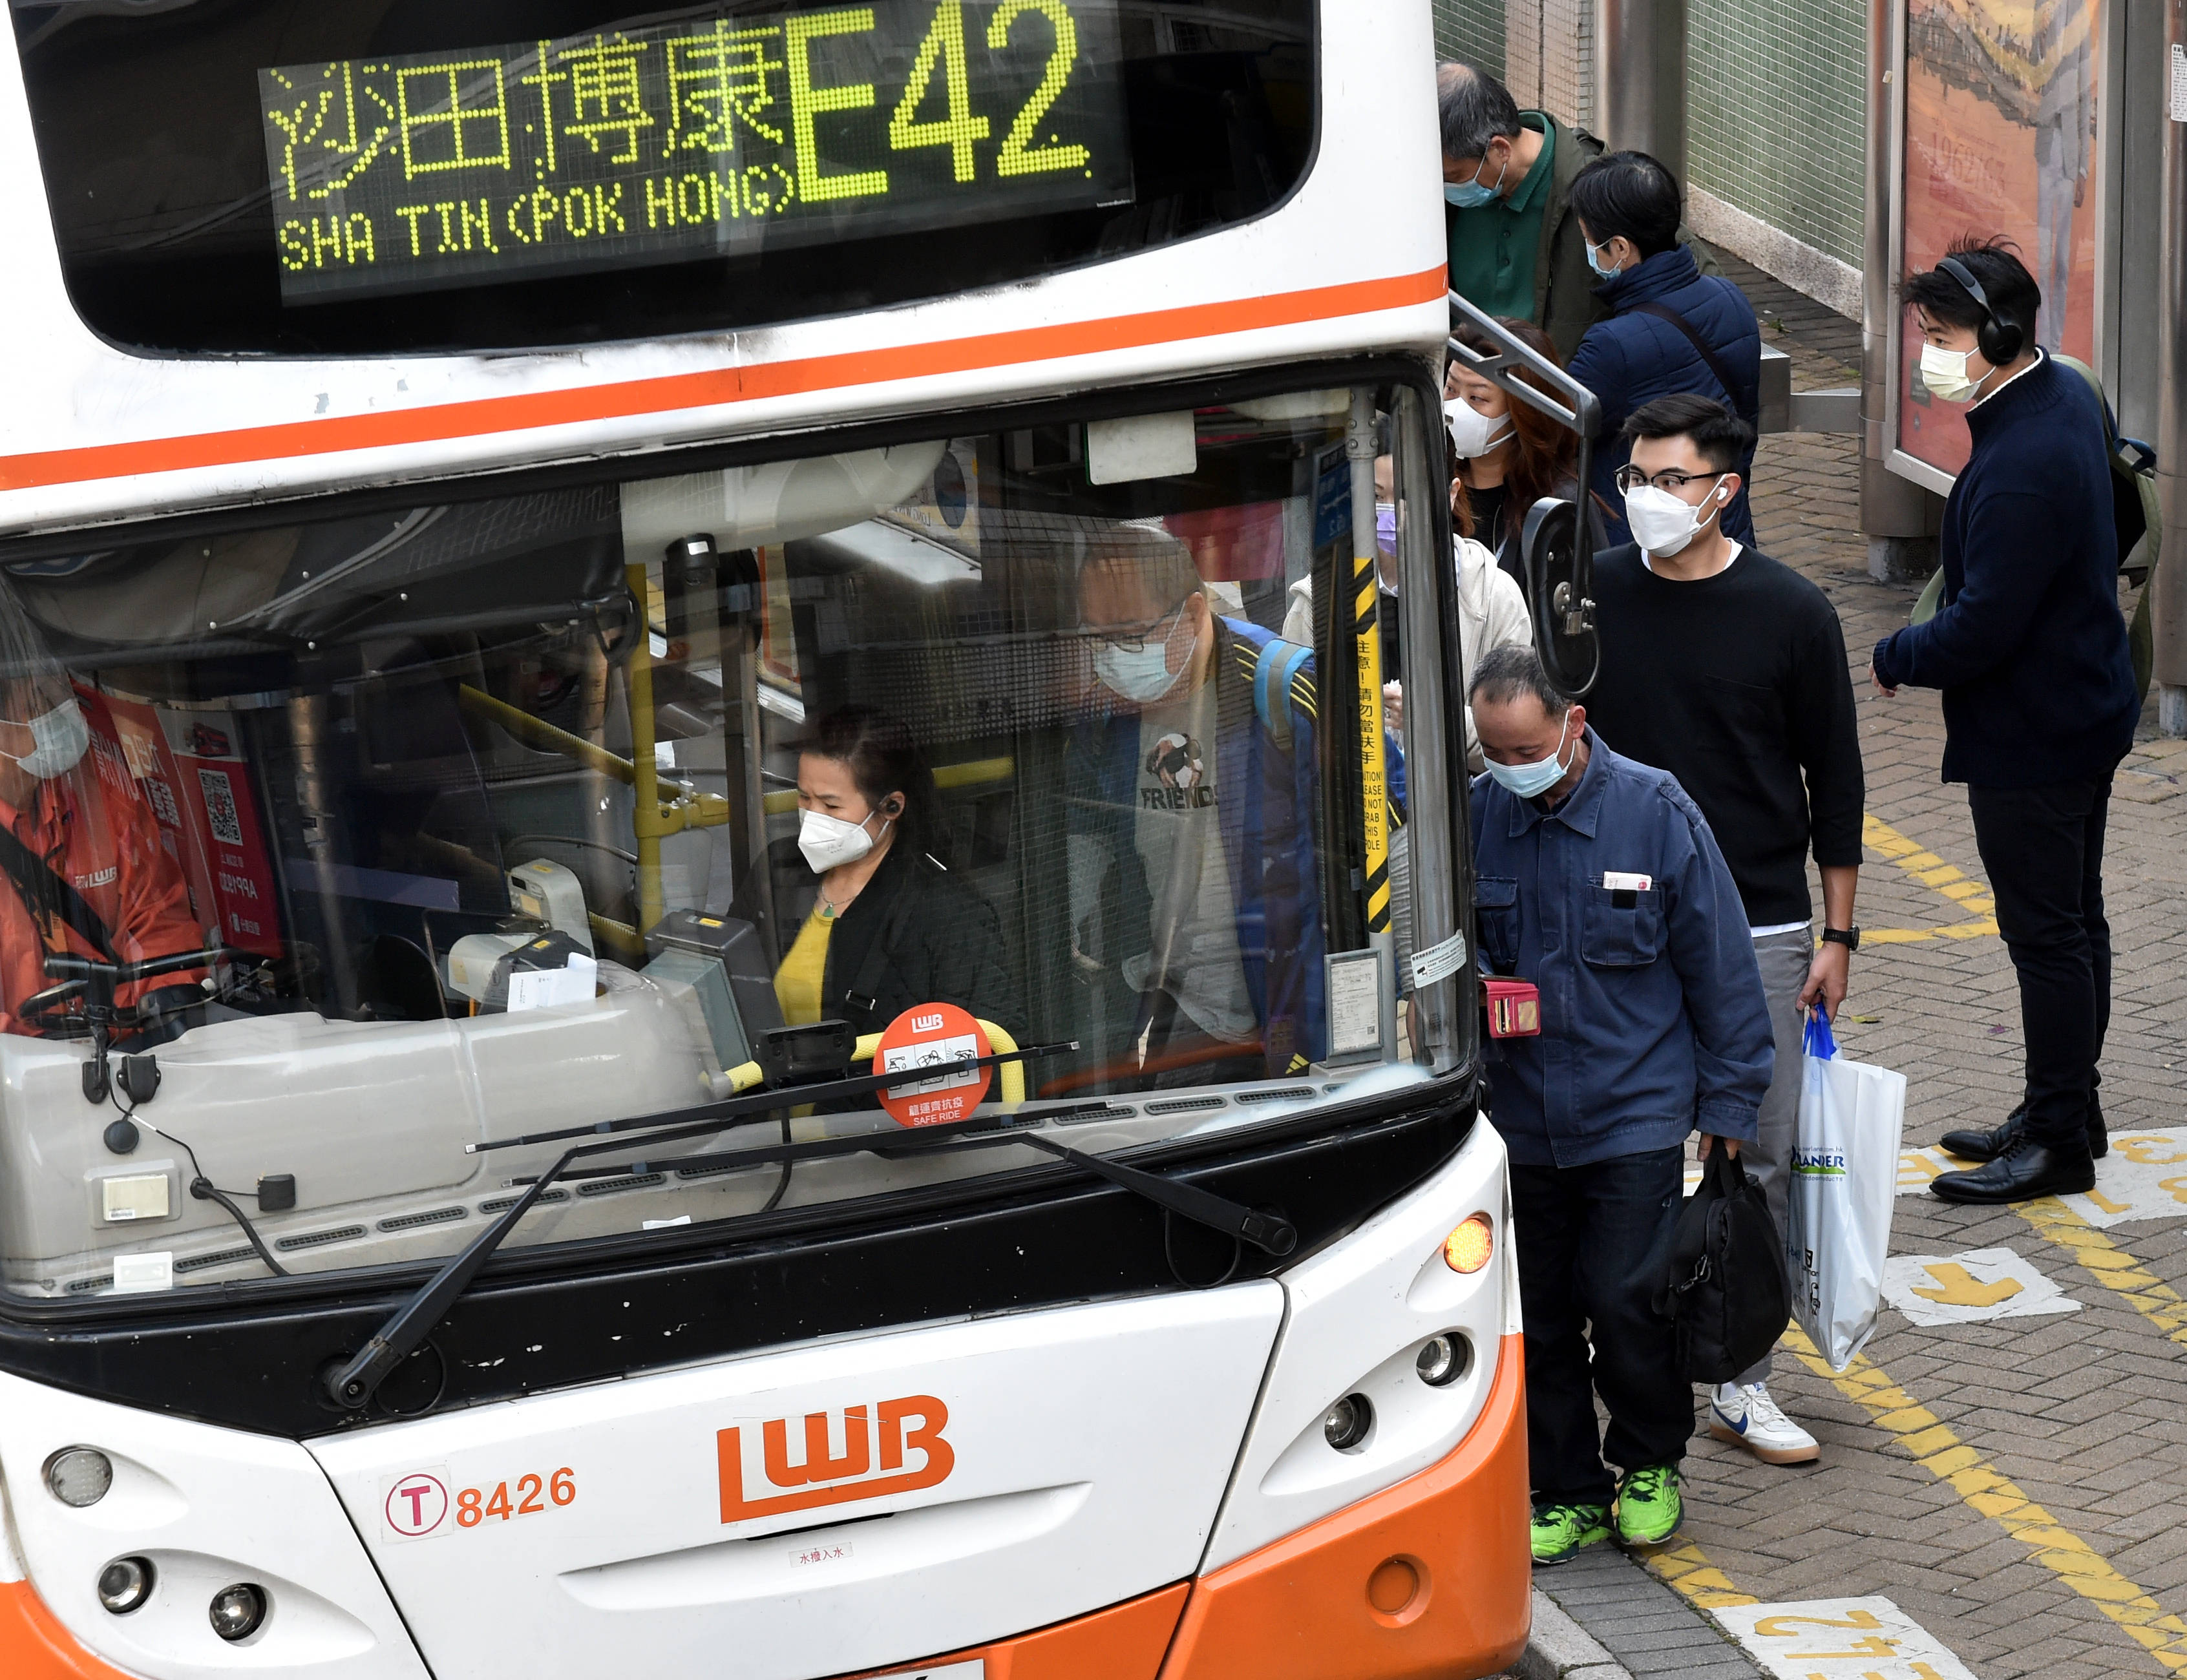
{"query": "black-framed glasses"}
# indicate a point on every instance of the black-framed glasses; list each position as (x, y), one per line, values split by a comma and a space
(1131, 638)
(1630, 478)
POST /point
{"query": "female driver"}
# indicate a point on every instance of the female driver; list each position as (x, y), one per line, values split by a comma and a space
(888, 926)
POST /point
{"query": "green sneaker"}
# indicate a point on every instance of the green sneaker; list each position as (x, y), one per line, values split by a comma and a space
(1648, 1509)
(1560, 1531)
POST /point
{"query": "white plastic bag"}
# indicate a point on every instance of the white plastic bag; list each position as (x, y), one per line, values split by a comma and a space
(1844, 1176)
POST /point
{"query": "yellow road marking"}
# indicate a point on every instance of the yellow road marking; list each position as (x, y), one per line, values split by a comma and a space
(1956, 1286)
(1964, 895)
(1683, 1565)
(1936, 1449)
(2110, 1265)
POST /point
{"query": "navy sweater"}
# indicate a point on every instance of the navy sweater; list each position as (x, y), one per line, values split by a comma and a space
(1634, 358)
(2029, 646)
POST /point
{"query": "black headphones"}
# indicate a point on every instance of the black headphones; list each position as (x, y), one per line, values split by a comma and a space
(1999, 341)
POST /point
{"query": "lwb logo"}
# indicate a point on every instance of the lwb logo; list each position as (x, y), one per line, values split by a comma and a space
(878, 1442)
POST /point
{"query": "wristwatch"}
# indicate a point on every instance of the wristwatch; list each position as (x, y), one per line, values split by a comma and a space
(1849, 937)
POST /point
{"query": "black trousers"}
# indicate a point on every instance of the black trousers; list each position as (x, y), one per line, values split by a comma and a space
(1592, 1243)
(2043, 849)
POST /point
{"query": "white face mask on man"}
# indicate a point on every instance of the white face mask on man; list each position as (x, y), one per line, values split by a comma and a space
(62, 737)
(1662, 523)
(1944, 371)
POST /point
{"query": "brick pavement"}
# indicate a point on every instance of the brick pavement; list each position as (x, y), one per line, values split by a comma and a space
(2081, 1410)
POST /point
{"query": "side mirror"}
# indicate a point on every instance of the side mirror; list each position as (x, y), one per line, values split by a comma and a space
(1556, 549)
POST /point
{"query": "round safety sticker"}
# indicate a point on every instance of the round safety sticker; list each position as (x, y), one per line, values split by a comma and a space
(933, 1035)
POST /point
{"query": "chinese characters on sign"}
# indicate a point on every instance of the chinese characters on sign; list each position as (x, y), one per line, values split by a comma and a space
(704, 138)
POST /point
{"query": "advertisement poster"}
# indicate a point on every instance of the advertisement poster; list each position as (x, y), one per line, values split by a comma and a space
(2001, 127)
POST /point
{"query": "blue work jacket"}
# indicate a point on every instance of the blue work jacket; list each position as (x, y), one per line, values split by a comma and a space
(1652, 1020)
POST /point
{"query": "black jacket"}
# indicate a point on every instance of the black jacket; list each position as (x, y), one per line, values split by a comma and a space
(2029, 646)
(940, 939)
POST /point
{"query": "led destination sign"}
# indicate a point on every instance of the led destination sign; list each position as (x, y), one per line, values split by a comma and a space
(712, 136)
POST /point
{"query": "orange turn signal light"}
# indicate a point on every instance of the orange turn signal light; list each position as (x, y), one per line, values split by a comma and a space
(1467, 1249)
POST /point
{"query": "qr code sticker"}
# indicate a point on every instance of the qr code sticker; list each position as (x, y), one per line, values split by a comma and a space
(163, 802)
(219, 808)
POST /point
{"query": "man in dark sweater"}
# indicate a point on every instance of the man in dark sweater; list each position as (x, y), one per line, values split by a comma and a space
(2039, 702)
(1728, 670)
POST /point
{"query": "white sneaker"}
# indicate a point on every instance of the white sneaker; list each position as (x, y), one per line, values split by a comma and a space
(1746, 1416)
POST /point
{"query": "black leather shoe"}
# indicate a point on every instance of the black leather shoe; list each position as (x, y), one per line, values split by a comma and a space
(2021, 1171)
(1988, 1145)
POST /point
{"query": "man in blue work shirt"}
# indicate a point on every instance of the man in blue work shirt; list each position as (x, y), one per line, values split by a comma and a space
(1597, 879)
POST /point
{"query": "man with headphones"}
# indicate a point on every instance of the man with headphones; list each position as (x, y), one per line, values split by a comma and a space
(2030, 650)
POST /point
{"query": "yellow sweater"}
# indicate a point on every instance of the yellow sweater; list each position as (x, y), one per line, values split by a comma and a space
(798, 981)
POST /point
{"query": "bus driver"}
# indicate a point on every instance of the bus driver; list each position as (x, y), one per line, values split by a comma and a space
(86, 872)
(887, 926)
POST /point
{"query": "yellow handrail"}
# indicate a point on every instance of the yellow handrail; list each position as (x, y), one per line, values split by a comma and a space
(970, 773)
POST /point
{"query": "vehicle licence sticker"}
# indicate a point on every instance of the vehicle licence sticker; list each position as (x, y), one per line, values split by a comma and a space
(1439, 961)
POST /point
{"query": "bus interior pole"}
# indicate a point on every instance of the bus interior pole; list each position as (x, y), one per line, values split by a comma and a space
(1360, 436)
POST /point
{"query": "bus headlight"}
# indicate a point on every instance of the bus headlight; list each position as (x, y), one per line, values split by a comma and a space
(238, 1611)
(1444, 1359)
(125, 1584)
(1347, 1422)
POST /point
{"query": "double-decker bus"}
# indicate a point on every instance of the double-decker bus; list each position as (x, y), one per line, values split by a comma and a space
(697, 971)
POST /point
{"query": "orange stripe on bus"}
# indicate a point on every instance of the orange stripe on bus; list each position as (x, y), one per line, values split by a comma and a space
(668, 392)
(35, 1646)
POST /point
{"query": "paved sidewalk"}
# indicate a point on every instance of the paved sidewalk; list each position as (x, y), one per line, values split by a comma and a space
(2012, 1484)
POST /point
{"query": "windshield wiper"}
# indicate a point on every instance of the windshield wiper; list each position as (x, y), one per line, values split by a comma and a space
(354, 1383)
(1270, 1232)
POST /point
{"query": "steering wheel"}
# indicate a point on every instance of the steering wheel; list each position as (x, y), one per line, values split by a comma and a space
(86, 981)
(45, 1012)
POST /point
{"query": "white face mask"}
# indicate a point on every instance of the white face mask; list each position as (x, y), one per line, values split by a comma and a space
(829, 841)
(62, 738)
(1474, 433)
(1662, 523)
(1141, 674)
(1945, 373)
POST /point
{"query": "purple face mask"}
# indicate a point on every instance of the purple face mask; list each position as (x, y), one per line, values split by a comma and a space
(1386, 528)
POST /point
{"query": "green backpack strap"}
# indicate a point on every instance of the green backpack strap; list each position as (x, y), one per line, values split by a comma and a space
(2133, 462)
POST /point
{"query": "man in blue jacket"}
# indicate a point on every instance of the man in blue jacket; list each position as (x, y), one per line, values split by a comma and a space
(1598, 880)
(2039, 701)
(1192, 789)
(1673, 329)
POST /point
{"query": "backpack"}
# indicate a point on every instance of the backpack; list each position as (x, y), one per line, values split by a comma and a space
(1725, 1290)
(2140, 519)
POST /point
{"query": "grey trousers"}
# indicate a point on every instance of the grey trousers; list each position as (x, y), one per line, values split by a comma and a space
(1784, 960)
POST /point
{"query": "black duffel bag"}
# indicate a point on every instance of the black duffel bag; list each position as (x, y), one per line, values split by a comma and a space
(1724, 1291)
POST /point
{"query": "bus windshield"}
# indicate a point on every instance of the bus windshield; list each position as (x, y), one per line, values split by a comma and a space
(367, 843)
